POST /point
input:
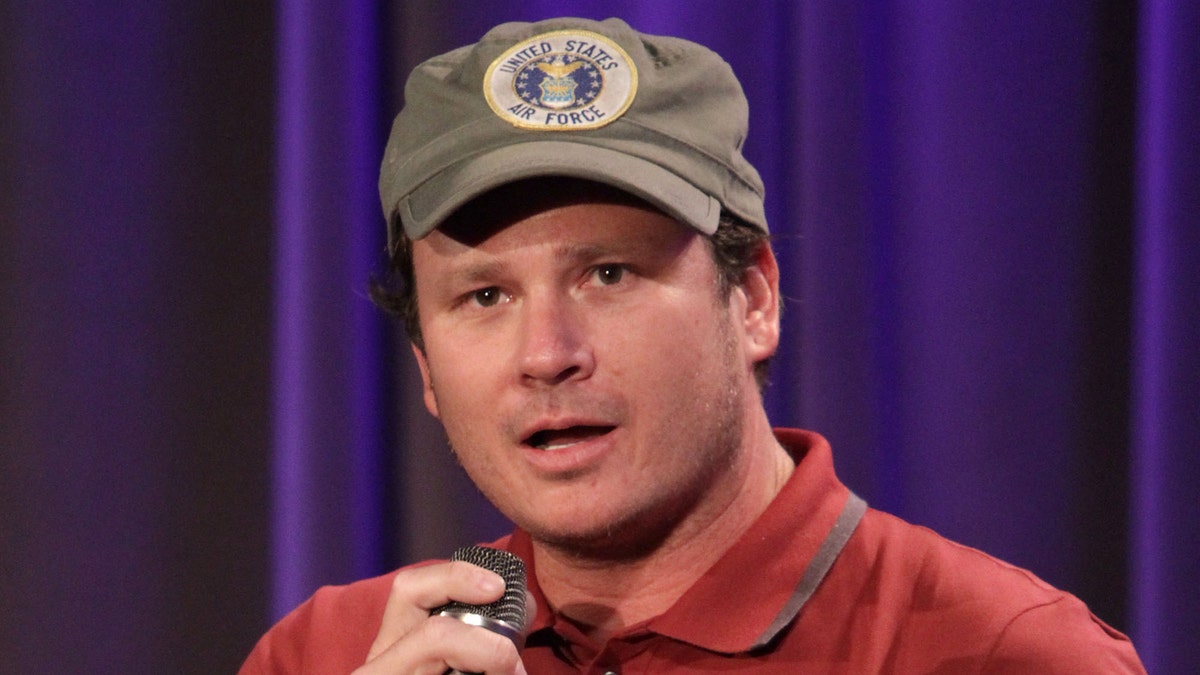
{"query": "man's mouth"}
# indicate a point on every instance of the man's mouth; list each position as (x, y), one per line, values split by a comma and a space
(556, 439)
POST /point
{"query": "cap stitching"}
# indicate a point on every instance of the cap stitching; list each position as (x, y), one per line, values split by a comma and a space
(412, 157)
(713, 158)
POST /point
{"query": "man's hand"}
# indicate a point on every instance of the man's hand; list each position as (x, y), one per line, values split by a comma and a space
(411, 641)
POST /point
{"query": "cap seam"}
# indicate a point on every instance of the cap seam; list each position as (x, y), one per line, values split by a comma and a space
(576, 137)
(415, 154)
(713, 158)
(573, 141)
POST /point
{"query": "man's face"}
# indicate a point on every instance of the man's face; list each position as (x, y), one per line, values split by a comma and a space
(589, 377)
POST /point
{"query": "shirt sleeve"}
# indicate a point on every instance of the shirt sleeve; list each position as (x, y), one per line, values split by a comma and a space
(1061, 636)
(331, 632)
(281, 649)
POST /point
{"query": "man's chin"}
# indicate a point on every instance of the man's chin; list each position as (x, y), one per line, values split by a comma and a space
(615, 541)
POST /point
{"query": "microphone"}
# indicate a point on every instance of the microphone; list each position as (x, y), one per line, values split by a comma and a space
(505, 616)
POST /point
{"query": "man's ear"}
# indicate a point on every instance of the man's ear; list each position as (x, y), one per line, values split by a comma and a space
(427, 382)
(760, 286)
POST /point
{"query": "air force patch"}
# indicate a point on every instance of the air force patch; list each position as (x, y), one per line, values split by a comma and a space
(561, 81)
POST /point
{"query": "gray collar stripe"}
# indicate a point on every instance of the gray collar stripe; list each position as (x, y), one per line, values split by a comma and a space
(817, 568)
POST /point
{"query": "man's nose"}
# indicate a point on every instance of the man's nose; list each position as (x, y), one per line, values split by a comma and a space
(555, 347)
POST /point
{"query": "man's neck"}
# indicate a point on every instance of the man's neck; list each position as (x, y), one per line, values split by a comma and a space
(603, 597)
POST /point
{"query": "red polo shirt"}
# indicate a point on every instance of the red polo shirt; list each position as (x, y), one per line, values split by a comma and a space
(818, 584)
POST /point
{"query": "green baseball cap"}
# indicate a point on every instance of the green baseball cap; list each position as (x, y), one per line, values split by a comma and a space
(659, 117)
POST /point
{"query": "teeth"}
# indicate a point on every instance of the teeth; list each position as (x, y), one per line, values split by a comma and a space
(549, 440)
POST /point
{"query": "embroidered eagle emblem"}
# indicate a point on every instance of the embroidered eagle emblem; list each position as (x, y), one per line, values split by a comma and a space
(557, 69)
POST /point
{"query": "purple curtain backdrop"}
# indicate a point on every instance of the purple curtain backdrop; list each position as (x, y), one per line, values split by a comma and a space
(1165, 542)
(330, 467)
(135, 324)
(987, 219)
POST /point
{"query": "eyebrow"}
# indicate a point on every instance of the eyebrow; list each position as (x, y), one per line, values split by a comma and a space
(583, 252)
(482, 270)
(476, 271)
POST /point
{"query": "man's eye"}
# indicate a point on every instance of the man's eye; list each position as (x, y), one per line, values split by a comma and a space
(608, 275)
(487, 297)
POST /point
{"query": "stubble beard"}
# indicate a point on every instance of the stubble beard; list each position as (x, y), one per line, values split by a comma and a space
(647, 525)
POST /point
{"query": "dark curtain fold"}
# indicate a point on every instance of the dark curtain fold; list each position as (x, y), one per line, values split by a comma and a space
(135, 324)
(1165, 359)
(987, 219)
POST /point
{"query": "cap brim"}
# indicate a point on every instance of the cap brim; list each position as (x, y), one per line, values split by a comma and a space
(432, 202)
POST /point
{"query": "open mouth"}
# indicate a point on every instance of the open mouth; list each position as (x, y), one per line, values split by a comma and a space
(555, 439)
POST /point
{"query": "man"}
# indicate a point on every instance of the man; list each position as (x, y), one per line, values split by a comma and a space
(585, 276)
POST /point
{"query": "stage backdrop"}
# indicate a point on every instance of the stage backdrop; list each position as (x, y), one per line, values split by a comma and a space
(988, 220)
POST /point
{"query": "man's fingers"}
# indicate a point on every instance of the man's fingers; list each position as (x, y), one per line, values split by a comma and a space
(440, 643)
(416, 591)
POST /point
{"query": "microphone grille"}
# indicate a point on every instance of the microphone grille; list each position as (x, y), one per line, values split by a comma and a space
(510, 608)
